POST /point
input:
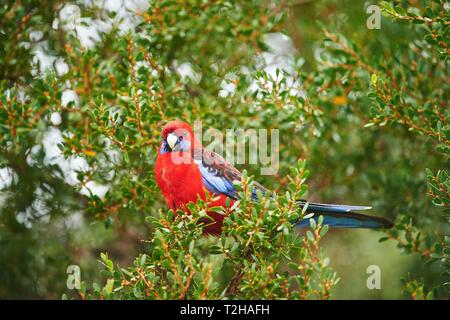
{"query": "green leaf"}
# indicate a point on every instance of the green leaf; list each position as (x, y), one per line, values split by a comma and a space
(373, 79)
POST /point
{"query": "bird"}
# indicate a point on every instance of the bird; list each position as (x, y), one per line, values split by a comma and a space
(185, 172)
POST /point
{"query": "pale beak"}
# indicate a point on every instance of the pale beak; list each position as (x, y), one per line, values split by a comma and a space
(171, 140)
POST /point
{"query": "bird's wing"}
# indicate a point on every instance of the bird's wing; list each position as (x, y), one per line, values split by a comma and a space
(218, 174)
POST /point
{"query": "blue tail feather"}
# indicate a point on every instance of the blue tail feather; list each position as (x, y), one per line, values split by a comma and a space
(342, 216)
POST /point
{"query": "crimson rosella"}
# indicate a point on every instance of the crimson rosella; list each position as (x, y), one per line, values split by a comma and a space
(185, 172)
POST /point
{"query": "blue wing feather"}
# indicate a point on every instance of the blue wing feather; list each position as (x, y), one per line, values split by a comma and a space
(218, 175)
(216, 183)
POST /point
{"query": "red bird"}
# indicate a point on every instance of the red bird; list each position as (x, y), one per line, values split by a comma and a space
(184, 171)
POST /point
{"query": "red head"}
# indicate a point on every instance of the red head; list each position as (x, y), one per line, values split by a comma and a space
(178, 136)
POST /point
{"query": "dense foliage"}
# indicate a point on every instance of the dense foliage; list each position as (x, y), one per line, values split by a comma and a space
(85, 87)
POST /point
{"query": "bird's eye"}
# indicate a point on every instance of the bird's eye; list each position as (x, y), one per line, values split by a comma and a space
(180, 138)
